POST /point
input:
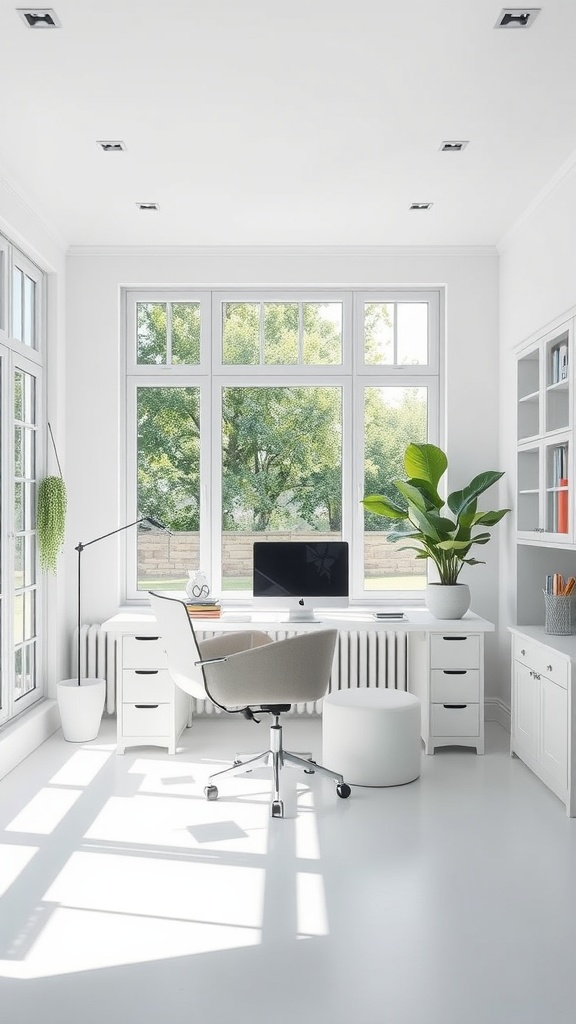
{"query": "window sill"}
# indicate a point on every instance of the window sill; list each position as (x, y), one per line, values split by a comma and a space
(20, 738)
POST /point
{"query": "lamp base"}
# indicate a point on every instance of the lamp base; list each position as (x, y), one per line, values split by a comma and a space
(81, 708)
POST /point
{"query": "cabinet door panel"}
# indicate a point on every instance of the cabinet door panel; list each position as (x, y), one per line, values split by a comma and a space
(554, 730)
(525, 708)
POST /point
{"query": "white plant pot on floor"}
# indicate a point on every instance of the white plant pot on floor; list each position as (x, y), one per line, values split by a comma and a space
(81, 708)
(447, 602)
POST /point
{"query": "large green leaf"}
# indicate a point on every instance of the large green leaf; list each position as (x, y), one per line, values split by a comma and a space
(429, 492)
(458, 501)
(382, 506)
(412, 494)
(490, 518)
(425, 462)
(425, 522)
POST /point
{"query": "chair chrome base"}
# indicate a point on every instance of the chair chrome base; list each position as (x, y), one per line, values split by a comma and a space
(277, 757)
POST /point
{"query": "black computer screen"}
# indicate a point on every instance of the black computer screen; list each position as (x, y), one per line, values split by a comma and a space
(300, 569)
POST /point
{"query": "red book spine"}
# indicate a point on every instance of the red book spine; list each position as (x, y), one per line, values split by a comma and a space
(563, 506)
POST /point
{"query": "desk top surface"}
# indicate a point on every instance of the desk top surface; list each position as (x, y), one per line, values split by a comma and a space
(129, 620)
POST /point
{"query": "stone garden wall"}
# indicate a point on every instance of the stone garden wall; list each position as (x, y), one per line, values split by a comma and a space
(162, 556)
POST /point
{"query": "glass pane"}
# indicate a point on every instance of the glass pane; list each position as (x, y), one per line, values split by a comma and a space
(186, 333)
(19, 507)
(281, 471)
(18, 563)
(281, 324)
(379, 333)
(393, 418)
(412, 333)
(322, 342)
(151, 344)
(17, 296)
(19, 452)
(29, 399)
(19, 395)
(24, 670)
(241, 333)
(29, 614)
(18, 618)
(168, 485)
(29, 311)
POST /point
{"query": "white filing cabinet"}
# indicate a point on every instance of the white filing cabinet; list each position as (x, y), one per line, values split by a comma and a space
(542, 731)
(151, 709)
(446, 671)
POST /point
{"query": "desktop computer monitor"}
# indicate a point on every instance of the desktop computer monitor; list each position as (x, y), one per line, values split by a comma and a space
(299, 576)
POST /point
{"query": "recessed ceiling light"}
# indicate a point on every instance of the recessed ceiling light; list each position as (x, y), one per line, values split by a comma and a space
(421, 206)
(39, 17)
(111, 147)
(147, 206)
(517, 17)
(453, 146)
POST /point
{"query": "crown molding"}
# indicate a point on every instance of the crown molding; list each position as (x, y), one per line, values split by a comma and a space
(287, 251)
(9, 186)
(557, 179)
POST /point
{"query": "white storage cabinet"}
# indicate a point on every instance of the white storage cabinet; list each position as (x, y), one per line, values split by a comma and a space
(542, 729)
(446, 671)
(152, 711)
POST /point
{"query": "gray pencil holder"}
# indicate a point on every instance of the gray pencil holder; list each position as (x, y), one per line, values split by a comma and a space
(560, 618)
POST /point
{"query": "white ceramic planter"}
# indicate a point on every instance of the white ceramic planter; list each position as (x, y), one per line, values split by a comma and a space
(445, 602)
(81, 708)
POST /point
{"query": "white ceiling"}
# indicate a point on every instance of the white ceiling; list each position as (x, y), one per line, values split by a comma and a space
(314, 122)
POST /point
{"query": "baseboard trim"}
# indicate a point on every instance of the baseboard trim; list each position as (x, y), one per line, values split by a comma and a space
(22, 737)
(495, 710)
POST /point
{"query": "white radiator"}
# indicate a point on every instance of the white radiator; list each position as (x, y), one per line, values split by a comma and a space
(97, 659)
(362, 658)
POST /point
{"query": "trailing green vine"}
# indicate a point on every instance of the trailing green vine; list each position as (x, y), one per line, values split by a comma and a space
(51, 517)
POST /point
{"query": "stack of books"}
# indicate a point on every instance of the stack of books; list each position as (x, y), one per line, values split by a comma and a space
(203, 608)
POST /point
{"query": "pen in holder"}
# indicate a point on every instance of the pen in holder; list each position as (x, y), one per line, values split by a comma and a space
(560, 618)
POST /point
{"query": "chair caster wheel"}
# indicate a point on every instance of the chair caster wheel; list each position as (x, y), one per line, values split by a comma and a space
(236, 763)
(309, 771)
(343, 790)
(277, 809)
(211, 792)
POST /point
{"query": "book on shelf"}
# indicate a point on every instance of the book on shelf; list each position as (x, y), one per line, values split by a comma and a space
(563, 360)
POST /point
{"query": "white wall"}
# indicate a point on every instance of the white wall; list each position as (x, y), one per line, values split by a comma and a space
(93, 400)
(537, 287)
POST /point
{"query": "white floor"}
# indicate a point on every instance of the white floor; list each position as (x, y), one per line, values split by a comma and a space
(126, 896)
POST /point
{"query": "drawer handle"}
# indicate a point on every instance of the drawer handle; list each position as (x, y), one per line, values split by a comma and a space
(146, 671)
(454, 637)
(457, 707)
(454, 671)
(146, 637)
(142, 707)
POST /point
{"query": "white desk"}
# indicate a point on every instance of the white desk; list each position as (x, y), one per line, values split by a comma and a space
(445, 669)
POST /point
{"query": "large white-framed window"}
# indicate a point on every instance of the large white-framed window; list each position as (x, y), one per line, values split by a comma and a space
(21, 402)
(255, 413)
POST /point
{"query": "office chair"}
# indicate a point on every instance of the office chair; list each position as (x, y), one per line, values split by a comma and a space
(246, 673)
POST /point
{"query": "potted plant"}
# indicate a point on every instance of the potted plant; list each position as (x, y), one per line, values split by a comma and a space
(440, 530)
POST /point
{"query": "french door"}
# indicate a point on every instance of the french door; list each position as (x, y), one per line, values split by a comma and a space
(20, 392)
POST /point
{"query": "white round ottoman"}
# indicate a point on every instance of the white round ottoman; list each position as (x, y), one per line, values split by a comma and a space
(372, 736)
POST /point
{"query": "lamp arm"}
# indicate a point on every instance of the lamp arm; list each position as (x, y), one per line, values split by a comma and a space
(143, 519)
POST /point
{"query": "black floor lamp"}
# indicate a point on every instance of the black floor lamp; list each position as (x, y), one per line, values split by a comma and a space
(80, 548)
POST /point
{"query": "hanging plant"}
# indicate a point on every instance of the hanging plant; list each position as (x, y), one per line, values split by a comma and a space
(51, 517)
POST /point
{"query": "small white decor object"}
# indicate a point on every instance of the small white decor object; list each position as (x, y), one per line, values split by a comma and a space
(81, 708)
(197, 586)
(447, 602)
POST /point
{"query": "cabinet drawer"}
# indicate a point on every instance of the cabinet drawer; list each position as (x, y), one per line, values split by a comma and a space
(543, 660)
(147, 686)
(455, 721)
(143, 652)
(146, 720)
(455, 686)
(454, 650)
